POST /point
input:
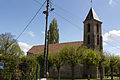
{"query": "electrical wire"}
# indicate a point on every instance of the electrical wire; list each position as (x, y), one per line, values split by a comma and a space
(67, 20)
(61, 16)
(71, 22)
(28, 24)
(30, 21)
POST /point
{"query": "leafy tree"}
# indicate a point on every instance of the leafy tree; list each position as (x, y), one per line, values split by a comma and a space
(118, 66)
(58, 61)
(40, 60)
(54, 32)
(9, 46)
(91, 58)
(112, 62)
(106, 63)
(72, 57)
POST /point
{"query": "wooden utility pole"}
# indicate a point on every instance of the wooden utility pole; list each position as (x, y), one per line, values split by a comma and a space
(46, 42)
(46, 12)
(48, 38)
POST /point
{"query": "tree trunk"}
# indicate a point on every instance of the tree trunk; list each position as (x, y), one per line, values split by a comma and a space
(72, 67)
(111, 73)
(58, 69)
(119, 73)
(101, 71)
(88, 73)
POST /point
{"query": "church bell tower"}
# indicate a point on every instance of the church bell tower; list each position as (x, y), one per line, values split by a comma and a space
(93, 31)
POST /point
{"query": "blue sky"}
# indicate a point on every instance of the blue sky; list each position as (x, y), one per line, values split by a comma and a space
(15, 14)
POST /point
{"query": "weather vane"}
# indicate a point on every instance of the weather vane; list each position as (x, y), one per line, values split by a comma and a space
(91, 3)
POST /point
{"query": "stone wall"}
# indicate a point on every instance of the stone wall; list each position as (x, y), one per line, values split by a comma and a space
(80, 72)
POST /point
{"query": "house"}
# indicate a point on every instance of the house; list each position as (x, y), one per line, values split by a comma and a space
(92, 39)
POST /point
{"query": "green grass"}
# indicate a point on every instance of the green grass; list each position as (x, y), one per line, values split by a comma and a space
(79, 79)
(92, 79)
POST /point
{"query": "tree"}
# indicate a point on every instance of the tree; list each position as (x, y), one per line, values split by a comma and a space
(9, 46)
(40, 60)
(72, 57)
(112, 62)
(58, 61)
(54, 32)
(90, 58)
(118, 66)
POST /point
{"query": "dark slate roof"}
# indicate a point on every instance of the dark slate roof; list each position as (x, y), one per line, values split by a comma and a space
(92, 15)
(53, 47)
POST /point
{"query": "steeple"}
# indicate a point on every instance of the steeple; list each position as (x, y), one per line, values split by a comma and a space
(92, 15)
(93, 31)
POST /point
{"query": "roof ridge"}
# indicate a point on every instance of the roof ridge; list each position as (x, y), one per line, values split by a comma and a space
(53, 47)
(60, 43)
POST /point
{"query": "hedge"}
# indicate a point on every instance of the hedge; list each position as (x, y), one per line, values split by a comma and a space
(18, 68)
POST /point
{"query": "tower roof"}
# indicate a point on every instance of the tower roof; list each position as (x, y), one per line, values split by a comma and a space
(92, 15)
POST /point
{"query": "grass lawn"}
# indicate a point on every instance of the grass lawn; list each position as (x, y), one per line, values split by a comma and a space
(79, 79)
(92, 79)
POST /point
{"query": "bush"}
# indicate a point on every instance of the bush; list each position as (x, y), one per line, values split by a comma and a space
(17, 68)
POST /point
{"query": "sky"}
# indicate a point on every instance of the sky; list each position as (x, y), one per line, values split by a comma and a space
(70, 14)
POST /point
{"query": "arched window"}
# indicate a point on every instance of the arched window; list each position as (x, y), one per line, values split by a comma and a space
(88, 39)
(97, 27)
(98, 40)
(88, 27)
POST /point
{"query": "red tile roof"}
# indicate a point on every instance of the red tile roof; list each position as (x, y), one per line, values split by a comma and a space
(53, 47)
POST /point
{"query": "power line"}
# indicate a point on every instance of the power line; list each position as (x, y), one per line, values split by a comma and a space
(37, 2)
(70, 21)
(30, 21)
(60, 15)
(112, 45)
(66, 10)
(71, 13)
(77, 27)
(27, 24)
(67, 20)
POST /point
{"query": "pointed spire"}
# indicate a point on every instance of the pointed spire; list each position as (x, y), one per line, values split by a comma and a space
(92, 15)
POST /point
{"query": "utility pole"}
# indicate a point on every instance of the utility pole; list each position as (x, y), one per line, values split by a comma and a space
(46, 45)
(47, 53)
(45, 12)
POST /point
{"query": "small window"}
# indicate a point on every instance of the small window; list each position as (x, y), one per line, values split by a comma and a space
(97, 27)
(98, 40)
(88, 38)
(88, 27)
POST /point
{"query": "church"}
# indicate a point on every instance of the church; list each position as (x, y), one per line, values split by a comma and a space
(92, 39)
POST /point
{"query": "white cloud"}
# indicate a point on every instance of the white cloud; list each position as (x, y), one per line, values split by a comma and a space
(113, 2)
(104, 43)
(24, 46)
(31, 34)
(112, 35)
(117, 54)
(43, 32)
(110, 2)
